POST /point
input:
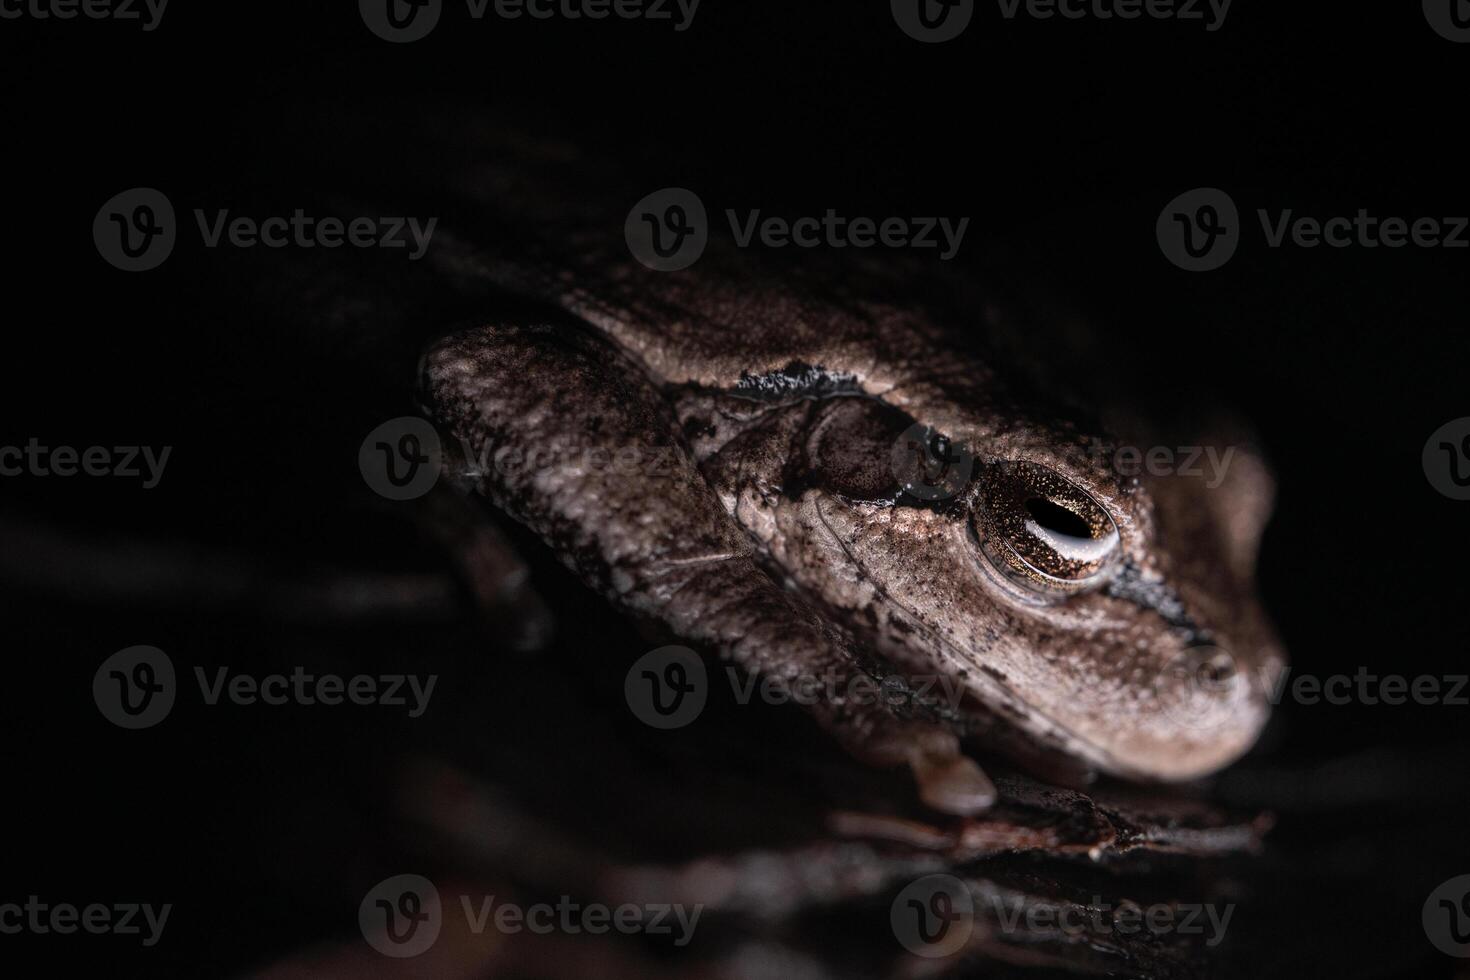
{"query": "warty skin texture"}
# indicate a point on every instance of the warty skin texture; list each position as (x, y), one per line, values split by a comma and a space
(768, 534)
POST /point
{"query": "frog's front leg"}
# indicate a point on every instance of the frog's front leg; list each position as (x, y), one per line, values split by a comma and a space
(583, 448)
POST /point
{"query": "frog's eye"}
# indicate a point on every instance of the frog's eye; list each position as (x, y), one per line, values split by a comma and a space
(1043, 532)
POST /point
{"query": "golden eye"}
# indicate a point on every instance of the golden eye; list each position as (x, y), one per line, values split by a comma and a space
(1043, 532)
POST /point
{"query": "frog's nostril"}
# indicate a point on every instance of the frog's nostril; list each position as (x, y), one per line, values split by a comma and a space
(1056, 518)
(1204, 688)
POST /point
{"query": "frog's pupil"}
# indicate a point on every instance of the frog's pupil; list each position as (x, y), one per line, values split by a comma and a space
(1057, 519)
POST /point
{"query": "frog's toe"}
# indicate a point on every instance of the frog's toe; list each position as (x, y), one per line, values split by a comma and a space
(952, 783)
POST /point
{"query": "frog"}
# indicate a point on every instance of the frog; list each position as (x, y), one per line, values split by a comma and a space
(798, 468)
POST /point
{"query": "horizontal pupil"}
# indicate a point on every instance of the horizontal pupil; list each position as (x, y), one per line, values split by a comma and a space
(1058, 519)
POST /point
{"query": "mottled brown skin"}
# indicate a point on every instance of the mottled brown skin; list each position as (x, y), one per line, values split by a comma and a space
(769, 528)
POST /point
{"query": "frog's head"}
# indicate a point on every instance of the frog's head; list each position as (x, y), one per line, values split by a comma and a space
(1097, 601)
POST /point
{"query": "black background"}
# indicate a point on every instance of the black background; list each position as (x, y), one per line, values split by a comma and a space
(1061, 140)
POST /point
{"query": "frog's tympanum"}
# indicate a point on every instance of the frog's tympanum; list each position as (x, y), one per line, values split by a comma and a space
(812, 480)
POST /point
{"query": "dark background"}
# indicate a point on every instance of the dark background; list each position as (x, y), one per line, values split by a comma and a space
(1061, 140)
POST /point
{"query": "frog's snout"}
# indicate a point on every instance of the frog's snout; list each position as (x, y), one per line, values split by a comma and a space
(1204, 709)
